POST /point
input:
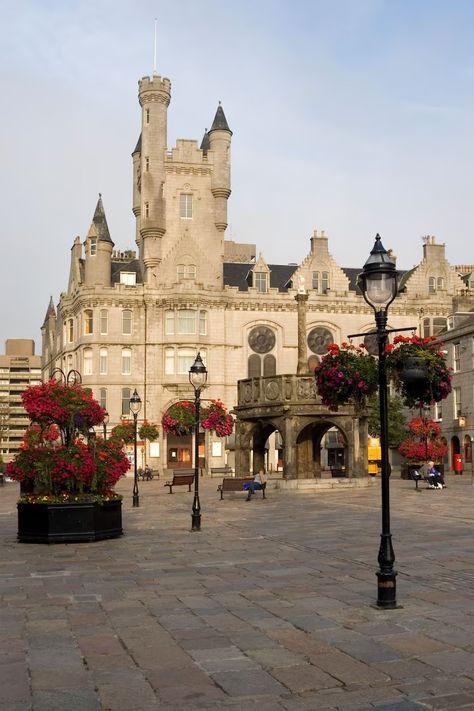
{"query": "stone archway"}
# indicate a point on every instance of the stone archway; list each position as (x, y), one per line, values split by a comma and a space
(290, 404)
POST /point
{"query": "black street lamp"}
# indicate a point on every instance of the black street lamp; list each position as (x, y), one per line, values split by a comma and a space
(105, 422)
(135, 407)
(197, 378)
(379, 284)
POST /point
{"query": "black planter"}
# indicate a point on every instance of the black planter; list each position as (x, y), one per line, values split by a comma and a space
(413, 375)
(69, 522)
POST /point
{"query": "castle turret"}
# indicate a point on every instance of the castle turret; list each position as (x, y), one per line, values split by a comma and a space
(98, 249)
(75, 276)
(220, 137)
(154, 94)
(137, 189)
(48, 331)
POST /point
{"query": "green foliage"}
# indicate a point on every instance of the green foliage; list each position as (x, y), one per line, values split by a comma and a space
(397, 424)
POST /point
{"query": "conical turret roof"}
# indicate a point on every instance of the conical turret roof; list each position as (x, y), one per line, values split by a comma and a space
(220, 121)
(50, 311)
(100, 223)
(138, 147)
(205, 144)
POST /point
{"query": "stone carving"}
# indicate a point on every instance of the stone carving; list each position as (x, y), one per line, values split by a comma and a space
(306, 389)
(301, 284)
(261, 339)
(272, 390)
(318, 339)
(371, 344)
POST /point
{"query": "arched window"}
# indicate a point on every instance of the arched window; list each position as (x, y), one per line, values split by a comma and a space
(254, 366)
(432, 285)
(88, 322)
(126, 361)
(440, 283)
(103, 361)
(104, 322)
(125, 402)
(87, 361)
(127, 322)
(269, 365)
(70, 330)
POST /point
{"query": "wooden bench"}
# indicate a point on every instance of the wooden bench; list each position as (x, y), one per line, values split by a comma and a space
(237, 484)
(222, 470)
(181, 477)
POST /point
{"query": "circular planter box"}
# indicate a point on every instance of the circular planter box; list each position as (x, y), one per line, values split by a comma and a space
(69, 522)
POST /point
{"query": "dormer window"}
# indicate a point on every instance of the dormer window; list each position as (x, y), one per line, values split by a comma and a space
(128, 278)
(432, 285)
(260, 281)
(93, 246)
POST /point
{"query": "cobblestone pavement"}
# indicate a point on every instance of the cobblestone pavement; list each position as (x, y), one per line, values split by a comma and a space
(269, 607)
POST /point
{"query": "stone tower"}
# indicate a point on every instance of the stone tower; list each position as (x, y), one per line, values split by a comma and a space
(98, 249)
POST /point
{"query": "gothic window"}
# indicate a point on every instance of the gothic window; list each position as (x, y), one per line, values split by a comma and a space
(87, 361)
(260, 281)
(88, 322)
(186, 206)
(318, 339)
(261, 339)
(104, 322)
(126, 361)
(125, 402)
(103, 398)
(103, 358)
(93, 246)
(269, 365)
(127, 322)
(432, 285)
(254, 366)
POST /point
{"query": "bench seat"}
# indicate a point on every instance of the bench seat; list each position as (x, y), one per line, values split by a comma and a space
(237, 484)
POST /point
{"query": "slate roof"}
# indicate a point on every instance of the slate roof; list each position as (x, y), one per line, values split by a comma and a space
(121, 266)
(205, 144)
(50, 311)
(138, 147)
(220, 121)
(100, 222)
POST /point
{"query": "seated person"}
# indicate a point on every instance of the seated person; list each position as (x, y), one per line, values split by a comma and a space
(434, 476)
(256, 484)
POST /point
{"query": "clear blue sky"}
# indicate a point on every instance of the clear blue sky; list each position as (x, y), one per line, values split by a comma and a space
(353, 116)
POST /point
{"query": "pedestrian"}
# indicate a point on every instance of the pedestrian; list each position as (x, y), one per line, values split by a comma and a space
(257, 484)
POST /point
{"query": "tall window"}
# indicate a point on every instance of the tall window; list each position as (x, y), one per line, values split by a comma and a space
(104, 322)
(127, 322)
(70, 330)
(186, 321)
(203, 323)
(457, 357)
(169, 323)
(93, 246)
(126, 361)
(457, 402)
(169, 361)
(432, 285)
(440, 283)
(324, 282)
(261, 281)
(186, 206)
(88, 322)
(125, 402)
(69, 363)
(87, 361)
(315, 283)
(103, 398)
(103, 358)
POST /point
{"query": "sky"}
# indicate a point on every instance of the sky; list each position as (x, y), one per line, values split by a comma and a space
(350, 116)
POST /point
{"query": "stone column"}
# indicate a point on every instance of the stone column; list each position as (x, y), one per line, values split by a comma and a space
(301, 299)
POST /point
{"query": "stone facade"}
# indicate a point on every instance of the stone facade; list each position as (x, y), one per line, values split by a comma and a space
(137, 319)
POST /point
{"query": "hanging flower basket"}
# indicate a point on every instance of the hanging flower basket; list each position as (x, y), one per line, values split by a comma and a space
(346, 374)
(418, 369)
(215, 417)
(148, 431)
(424, 441)
(180, 418)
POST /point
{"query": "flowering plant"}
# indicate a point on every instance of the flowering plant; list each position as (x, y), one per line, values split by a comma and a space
(346, 373)
(423, 442)
(148, 431)
(180, 419)
(215, 417)
(124, 432)
(436, 384)
(57, 461)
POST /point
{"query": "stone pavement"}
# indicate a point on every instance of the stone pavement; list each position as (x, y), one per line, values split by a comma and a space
(268, 608)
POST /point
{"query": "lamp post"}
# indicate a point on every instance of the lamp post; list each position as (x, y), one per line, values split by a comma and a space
(379, 284)
(135, 407)
(105, 422)
(197, 378)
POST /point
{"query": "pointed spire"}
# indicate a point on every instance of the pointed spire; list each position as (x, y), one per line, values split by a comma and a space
(138, 147)
(100, 223)
(220, 121)
(50, 311)
(205, 145)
